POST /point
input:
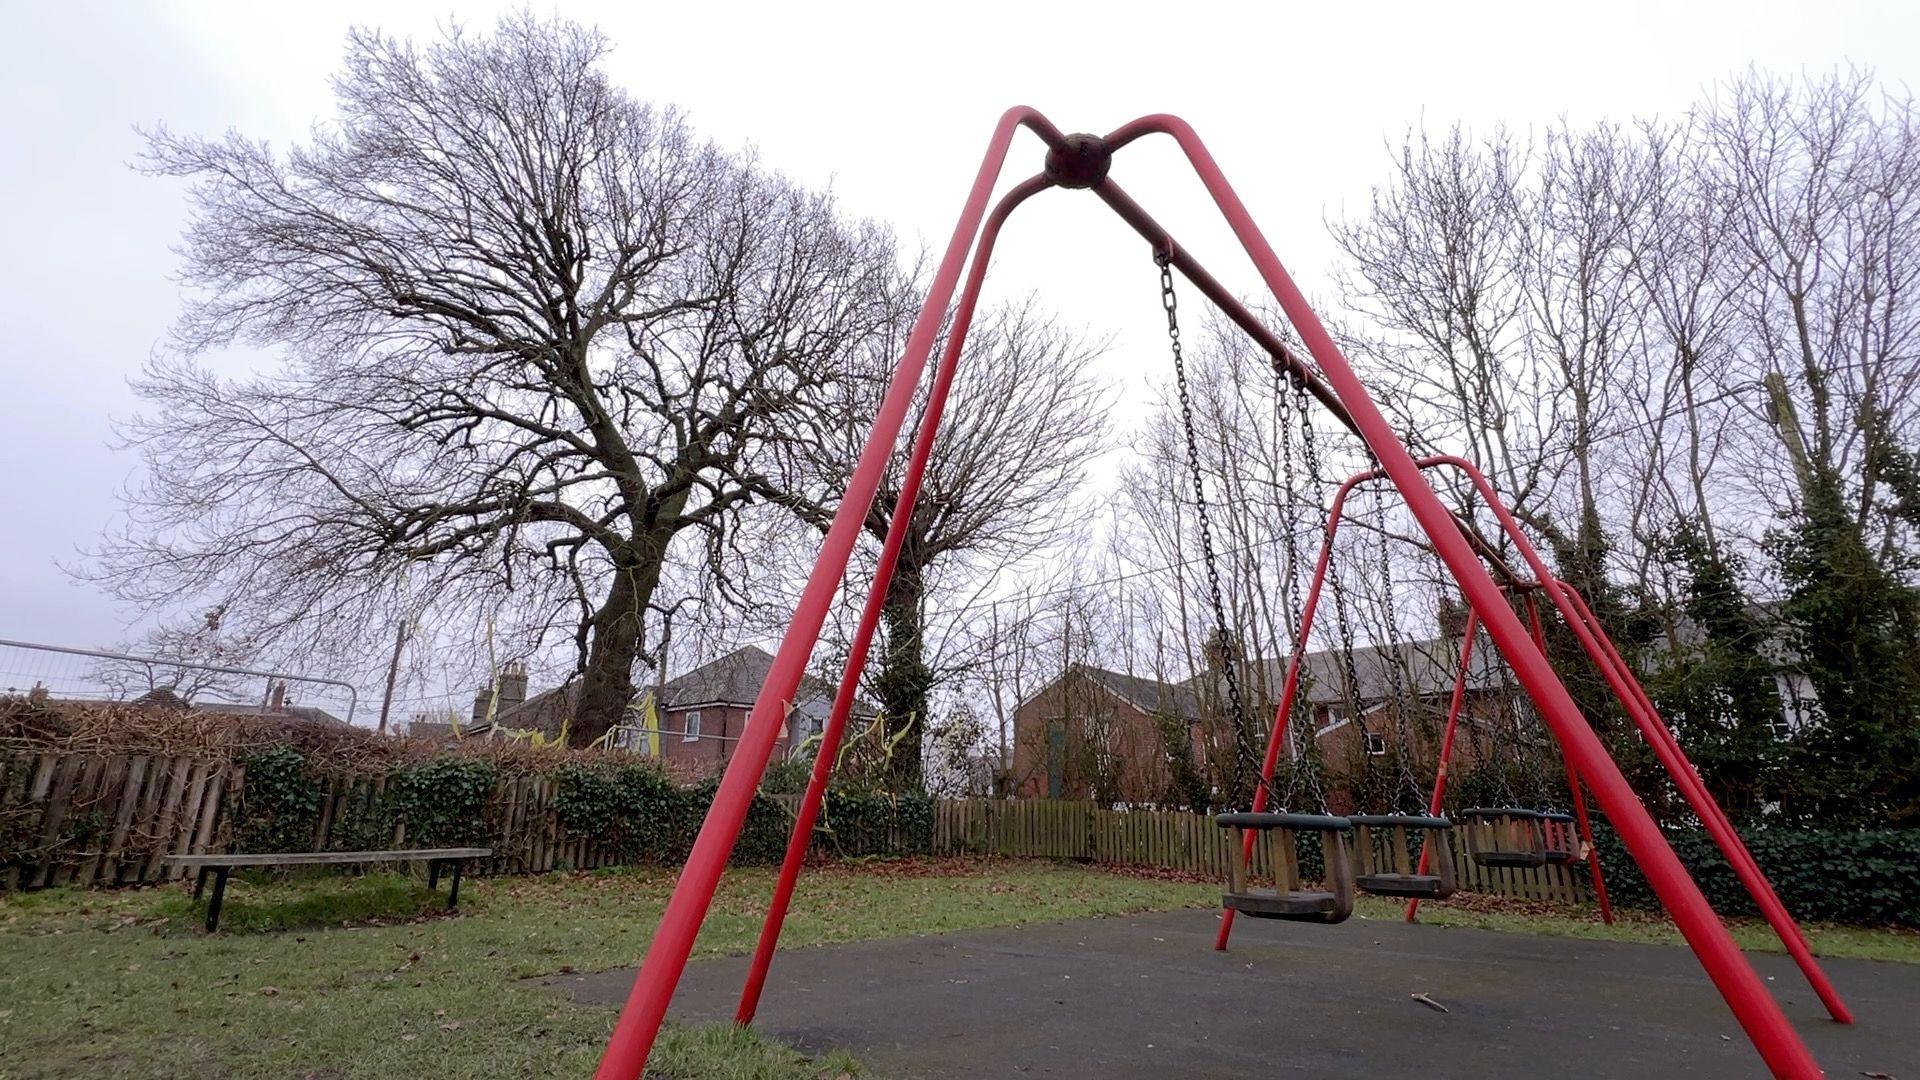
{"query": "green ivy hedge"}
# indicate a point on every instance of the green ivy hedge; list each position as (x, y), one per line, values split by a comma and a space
(442, 802)
(632, 809)
(642, 816)
(1865, 877)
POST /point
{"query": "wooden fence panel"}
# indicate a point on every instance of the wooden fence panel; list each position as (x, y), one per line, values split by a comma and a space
(109, 819)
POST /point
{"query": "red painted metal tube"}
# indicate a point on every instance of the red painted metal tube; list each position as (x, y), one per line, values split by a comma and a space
(1779, 1045)
(1454, 706)
(1289, 688)
(646, 1007)
(1573, 786)
(862, 644)
(1667, 748)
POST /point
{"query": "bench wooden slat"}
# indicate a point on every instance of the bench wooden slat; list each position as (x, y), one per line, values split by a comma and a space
(306, 858)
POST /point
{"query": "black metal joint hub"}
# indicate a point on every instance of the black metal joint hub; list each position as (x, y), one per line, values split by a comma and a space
(1081, 162)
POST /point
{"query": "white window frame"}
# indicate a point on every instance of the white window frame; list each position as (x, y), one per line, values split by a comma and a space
(690, 727)
(1369, 739)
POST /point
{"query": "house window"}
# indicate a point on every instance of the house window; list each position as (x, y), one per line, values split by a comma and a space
(1376, 744)
(693, 727)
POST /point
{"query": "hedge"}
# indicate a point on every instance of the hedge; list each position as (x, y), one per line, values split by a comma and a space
(1865, 877)
(443, 803)
(632, 809)
(644, 817)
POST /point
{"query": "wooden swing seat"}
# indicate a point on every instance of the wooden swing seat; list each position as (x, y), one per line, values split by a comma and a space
(1287, 900)
(1491, 841)
(1399, 880)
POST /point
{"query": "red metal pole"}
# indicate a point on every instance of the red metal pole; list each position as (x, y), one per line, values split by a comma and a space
(1446, 742)
(1573, 785)
(1779, 1045)
(876, 601)
(646, 1007)
(1667, 748)
(1291, 686)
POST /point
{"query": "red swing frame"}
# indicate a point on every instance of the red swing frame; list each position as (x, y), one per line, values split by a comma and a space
(1290, 685)
(1625, 686)
(1082, 161)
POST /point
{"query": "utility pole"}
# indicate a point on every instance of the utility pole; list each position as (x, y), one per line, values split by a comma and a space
(393, 674)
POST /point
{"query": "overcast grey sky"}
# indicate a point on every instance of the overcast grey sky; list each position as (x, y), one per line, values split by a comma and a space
(890, 103)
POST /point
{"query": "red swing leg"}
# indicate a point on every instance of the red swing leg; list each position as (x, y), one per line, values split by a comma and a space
(831, 735)
(1446, 742)
(1573, 786)
(1667, 748)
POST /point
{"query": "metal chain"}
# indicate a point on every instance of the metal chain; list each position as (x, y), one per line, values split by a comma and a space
(1310, 452)
(1403, 691)
(1290, 584)
(1243, 743)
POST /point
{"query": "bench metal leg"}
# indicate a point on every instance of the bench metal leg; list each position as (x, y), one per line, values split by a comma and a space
(219, 894)
(200, 881)
(433, 873)
(453, 891)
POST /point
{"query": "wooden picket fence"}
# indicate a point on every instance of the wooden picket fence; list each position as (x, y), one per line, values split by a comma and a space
(107, 819)
(1171, 840)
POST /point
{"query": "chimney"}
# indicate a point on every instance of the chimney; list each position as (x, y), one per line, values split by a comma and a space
(277, 699)
(513, 684)
(1452, 618)
(1221, 650)
(481, 699)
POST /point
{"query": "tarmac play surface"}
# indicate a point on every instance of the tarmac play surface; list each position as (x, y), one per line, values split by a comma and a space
(1146, 996)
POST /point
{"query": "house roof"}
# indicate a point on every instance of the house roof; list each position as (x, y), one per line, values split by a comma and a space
(731, 680)
(735, 680)
(1147, 695)
(1429, 666)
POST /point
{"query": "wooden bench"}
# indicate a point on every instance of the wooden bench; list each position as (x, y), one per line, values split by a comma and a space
(219, 866)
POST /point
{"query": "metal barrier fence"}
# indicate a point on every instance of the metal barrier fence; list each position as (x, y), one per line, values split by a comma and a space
(65, 673)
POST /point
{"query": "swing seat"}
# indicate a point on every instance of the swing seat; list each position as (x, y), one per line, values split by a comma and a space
(1435, 886)
(1287, 900)
(1300, 905)
(1492, 842)
(1559, 851)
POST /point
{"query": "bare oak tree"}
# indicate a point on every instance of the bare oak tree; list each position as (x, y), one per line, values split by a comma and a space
(533, 330)
(1026, 415)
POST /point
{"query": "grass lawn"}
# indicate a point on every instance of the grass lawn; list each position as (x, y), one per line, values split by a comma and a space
(346, 977)
(124, 983)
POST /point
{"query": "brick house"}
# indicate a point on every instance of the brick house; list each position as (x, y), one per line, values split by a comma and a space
(702, 713)
(1094, 733)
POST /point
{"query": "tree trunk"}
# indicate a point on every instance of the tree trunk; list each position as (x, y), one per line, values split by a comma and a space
(618, 628)
(905, 681)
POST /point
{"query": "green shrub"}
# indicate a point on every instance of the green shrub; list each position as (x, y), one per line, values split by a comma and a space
(1866, 877)
(855, 823)
(279, 807)
(443, 802)
(640, 815)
